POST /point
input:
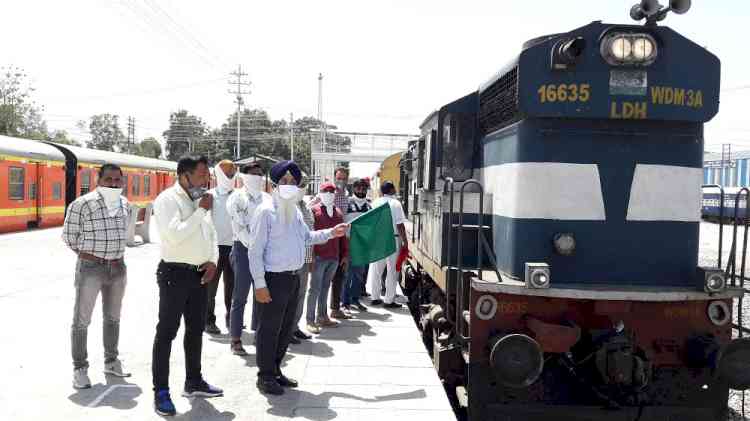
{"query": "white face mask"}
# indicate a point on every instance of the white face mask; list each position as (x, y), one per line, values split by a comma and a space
(288, 192)
(111, 195)
(223, 183)
(253, 183)
(326, 198)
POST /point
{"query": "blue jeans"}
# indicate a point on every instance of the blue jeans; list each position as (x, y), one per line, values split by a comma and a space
(317, 296)
(242, 282)
(352, 287)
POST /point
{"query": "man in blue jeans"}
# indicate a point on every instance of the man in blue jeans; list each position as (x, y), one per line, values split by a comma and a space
(352, 286)
(327, 257)
(241, 207)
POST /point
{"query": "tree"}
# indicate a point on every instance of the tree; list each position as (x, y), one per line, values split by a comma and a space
(61, 136)
(149, 147)
(105, 132)
(185, 130)
(19, 114)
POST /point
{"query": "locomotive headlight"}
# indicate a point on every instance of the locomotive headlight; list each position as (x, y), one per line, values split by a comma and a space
(565, 244)
(620, 49)
(537, 275)
(643, 48)
(715, 283)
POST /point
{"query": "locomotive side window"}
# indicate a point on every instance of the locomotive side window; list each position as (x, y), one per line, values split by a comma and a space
(458, 146)
(420, 163)
(57, 191)
(146, 185)
(15, 183)
(85, 182)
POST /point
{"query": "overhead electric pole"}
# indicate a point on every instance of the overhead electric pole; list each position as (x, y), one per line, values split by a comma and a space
(291, 134)
(238, 92)
(131, 134)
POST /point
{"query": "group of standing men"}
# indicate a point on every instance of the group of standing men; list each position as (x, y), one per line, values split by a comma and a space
(270, 242)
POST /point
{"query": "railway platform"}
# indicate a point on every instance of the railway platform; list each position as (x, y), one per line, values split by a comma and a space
(371, 367)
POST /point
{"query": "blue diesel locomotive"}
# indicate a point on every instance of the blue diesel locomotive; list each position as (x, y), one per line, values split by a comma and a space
(553, 229)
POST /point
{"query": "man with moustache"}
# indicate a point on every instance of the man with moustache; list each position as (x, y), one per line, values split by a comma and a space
(276, 254)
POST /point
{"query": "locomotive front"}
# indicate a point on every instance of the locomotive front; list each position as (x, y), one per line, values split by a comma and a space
(592, 152)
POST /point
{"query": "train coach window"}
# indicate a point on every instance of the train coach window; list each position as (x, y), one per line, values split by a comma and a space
(458, 147)
(125, 185)
(146, 185)
(136, 185)
(32, 191)
(57, 191)
(85, 182)
(16, 183)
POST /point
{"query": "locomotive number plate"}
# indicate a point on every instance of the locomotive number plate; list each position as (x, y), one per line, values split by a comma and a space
(571, 92)
(628, 82)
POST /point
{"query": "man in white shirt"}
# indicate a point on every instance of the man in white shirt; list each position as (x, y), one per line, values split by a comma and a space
(189, 253)
(224, 172)
(376, 269)
(241, 208)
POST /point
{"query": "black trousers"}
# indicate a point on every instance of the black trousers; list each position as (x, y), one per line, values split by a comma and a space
(223, 269)
(276, 322)
(180, 294)
(336, 285)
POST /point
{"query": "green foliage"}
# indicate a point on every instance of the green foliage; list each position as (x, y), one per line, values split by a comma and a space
(105, 133)
(61, 137)
(184, 129)
(149, 147)
(20, 116)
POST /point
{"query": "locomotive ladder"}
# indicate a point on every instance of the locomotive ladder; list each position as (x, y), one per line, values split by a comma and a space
(460, 285)
(737, 279)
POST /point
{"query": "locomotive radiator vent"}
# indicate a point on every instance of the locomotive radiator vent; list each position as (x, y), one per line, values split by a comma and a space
(498, 104)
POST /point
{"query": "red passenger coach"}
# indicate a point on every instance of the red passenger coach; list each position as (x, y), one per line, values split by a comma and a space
(38, 180)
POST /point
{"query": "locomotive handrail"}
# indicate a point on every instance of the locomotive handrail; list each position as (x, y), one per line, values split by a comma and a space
(448, 283)
(721, 214)
(732, 255)
(460, 290)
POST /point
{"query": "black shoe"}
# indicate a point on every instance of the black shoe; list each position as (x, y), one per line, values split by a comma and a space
(212, 329)
(365, 294)
(295, 340)
(301, 335)
(360, 307)
(392, 305)
(376, 302)
(285, 381)
(202, 389)
(269, 386)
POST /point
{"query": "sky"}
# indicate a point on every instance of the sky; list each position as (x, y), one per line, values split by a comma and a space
(386, 64)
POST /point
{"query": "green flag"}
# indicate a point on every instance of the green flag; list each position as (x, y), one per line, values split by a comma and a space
(371, 236)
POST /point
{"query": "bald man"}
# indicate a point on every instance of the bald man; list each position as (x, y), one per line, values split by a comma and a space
(224, 173)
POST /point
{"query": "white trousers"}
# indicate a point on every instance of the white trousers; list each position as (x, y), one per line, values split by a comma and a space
(375, 274)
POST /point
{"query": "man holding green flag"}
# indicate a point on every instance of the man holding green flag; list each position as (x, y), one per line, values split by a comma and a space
(373, 240)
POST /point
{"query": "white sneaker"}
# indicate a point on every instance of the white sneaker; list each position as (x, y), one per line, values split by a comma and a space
(115, 368)
(81, 379)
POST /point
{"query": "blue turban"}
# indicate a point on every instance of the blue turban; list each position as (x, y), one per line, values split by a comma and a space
(281, 168)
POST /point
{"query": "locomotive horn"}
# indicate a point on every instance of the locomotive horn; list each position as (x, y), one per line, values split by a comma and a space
(679, 6)
(645, 9)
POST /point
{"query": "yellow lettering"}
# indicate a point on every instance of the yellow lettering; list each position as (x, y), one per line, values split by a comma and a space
(679, 96)
(699, 99)
(640, 110)
(613, 111)
(691, 98)
(657, 95)
(668, 96)
(627, 110)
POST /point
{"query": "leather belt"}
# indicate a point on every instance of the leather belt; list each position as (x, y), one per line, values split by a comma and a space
(92, 258)
(183, 266)
(285, 272)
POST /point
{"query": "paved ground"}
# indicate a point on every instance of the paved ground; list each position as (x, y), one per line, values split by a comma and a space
(371, 367)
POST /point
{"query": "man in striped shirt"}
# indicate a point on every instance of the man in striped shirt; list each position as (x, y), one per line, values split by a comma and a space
(95, 229)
